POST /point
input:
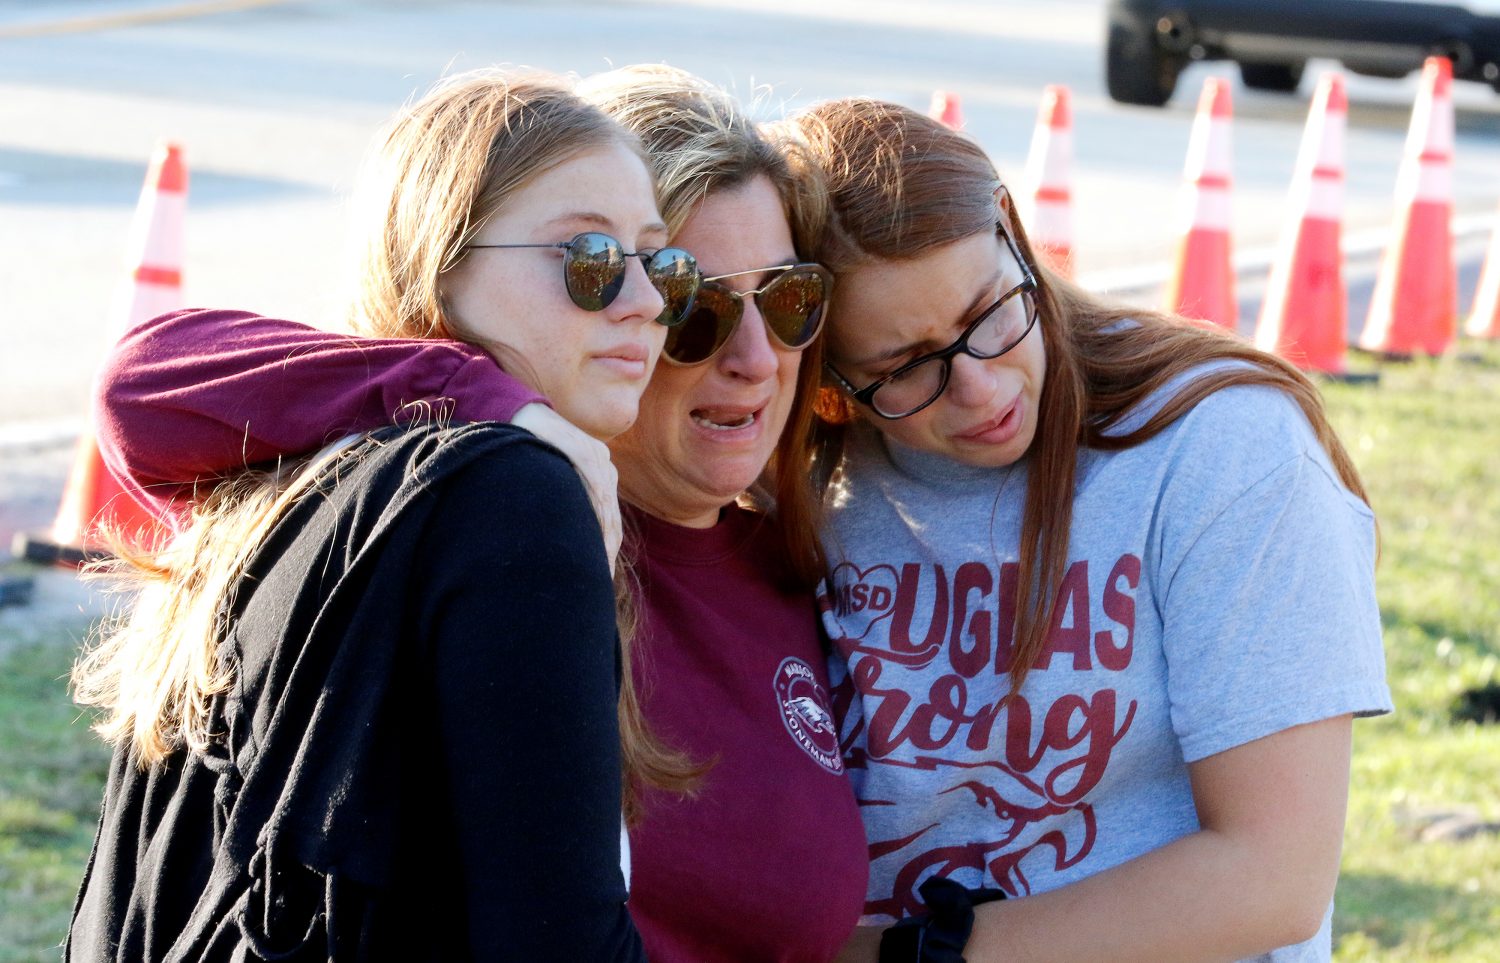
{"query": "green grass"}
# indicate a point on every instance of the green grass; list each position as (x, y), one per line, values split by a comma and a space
(51, 777)
(1427, 440)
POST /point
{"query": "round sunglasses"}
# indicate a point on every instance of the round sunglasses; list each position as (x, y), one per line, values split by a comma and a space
(594, 272)
(792, 305)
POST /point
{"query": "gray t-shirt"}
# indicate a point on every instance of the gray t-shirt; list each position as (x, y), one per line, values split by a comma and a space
(1220, 588)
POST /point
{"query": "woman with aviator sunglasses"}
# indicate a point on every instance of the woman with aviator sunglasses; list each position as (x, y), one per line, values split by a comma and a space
(1102, 585)
(730, 668)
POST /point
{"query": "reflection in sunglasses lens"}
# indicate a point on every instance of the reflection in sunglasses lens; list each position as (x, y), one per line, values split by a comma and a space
(675, 276)
(595, 268)
(706, 327)
(792, 306)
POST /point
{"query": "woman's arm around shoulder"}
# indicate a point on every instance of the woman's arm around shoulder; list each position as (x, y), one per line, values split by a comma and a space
(201, 392)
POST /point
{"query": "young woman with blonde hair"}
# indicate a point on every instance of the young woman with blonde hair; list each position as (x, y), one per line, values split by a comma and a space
(766, 861)
(366, 707)
(1102, 580)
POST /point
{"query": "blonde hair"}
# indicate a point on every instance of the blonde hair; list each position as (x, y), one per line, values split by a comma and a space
(901, 184)
(699, 141)
(445, 164)
(156, 670)
(441, 168)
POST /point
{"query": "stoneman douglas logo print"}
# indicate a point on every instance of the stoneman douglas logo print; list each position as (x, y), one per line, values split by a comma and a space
(862, 598)
(805, 712)
(929, 653)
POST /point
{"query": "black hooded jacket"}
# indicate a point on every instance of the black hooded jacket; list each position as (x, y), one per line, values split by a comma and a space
(418, 756)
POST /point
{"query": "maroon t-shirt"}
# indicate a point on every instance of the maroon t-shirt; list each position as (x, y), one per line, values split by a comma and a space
(768, 861)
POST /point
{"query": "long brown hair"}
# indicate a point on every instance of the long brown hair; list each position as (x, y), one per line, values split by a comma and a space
(443, 166)
(698, 141)
(899, 185)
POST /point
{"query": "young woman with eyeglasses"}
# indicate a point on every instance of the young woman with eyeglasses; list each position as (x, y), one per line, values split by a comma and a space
(369, 706)
(766, 859)
(1102, 581)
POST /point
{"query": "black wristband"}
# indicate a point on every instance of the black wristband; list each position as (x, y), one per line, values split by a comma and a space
(902, 941)
(940, 934)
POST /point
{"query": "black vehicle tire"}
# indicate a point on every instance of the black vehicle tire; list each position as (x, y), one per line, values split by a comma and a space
(1281, 78)
(1136, 69)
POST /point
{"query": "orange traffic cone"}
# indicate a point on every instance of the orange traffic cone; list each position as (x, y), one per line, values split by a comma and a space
(1305, 315)
(1484, 316)
(1203, 284)
(93, 497)
(1049, 178)
(1415, 306)
(947, 108)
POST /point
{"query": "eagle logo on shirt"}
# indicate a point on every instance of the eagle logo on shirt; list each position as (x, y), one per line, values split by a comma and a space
(803, 701)
(1026, 830)
(817, 717)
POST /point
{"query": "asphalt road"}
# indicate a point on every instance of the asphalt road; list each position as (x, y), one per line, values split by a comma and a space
(276, 100)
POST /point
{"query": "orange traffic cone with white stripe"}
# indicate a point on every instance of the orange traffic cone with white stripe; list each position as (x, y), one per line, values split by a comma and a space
(947, 107)
(93, 498)
(1202, 286)
(1484, 316)
(154, 285)
(1049, 178)
(1415, 306)
(1305, 314)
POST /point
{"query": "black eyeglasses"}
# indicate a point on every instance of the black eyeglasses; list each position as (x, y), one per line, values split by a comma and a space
(791, 304)
(920, 382)
(594, 272)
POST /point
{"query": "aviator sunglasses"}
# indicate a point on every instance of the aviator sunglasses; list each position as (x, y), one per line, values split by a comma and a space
(594, 272)
(791, 304)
